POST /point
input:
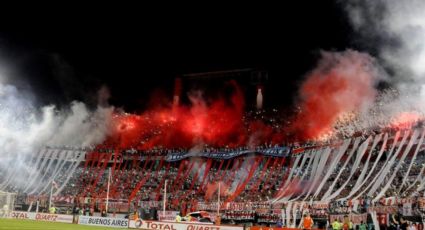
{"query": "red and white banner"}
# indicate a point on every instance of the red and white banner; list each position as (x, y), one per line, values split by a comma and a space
(56, 199)
(383, 209)
(396, 201)
(150, 204)
(156, 225)
(169, 215)
(209, 206)
(421, 204)
(383, 219)
(63, 199)
(257, 205)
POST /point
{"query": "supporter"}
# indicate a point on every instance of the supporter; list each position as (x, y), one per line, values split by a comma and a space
(307, 222)
(178, 218)
(417, 226)
(347, 224)
(52, 210)
(404, 225)
(394, 222)
(369, 222)
(135, 215)
(87, 211)
(279, 223)
(336, 225)
(362, 226)
(75, 213)
(91, 211)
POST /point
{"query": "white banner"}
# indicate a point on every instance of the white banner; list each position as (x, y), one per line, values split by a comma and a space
(407, 209)
(41, 216)
(156, 225)
(103, 221)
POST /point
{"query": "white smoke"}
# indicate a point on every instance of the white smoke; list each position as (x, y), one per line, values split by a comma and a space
(395, 31)
(25, 129)
(241, 174)
(399, 30)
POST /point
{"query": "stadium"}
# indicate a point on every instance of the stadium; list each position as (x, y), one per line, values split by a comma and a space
(330, 137)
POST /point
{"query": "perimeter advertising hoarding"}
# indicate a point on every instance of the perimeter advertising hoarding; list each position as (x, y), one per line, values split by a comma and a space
(103, 221)
(41, 216)
(156, 225)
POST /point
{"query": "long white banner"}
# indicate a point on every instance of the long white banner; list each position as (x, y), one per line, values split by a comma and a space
(41, 216)
(156, 225)
(103, 221)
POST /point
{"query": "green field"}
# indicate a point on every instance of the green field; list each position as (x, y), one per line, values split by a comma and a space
(39, 225)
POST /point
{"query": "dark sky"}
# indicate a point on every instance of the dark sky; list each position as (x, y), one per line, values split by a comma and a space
(69, 56)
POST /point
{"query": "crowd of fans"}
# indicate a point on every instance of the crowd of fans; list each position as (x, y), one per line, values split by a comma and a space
(142, 175)
(188, 186)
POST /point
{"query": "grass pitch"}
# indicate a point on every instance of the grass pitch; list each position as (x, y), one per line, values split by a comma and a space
(11, 224)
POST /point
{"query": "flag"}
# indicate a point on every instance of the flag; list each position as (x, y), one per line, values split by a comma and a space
(55, 185)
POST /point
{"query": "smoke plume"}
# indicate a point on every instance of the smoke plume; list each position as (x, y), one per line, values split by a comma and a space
(397, 31)
(339, 97)
(25, 129)
(394, 31)
(341, 83)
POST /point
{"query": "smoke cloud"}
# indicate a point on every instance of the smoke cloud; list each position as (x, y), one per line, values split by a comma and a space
(25, 129)
(397, 30)
(339, 97)
(341, 83)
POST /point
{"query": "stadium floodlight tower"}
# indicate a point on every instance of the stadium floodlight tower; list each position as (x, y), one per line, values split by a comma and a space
(7, 203)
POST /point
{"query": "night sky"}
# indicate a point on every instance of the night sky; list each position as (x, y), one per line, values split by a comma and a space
(68, 56)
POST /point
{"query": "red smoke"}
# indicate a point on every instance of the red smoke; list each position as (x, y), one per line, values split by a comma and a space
(405, 120)
(342, 82)
(212, 189)
(217, 123)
